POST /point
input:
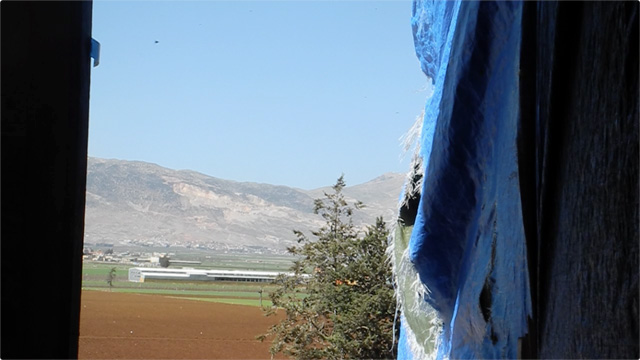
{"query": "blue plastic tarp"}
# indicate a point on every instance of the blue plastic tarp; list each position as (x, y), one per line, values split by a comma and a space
(468, 243)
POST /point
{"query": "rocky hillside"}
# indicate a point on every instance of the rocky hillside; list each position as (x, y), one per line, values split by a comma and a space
(137, 203)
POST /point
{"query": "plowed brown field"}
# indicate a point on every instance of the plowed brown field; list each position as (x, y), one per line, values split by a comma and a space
(136, 326)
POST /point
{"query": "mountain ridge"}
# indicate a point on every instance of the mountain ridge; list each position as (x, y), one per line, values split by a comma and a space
(135, 202)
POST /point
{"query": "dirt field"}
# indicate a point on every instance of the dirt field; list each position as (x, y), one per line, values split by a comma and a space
(135, 326)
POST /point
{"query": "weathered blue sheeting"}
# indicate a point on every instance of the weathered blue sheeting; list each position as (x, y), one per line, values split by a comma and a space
(433, 24)
(468, 243)
(430, 23)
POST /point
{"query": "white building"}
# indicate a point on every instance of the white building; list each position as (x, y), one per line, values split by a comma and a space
(139, 274)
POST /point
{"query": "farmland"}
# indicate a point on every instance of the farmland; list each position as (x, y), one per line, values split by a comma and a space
(139, 326)
(175, 319)
(94, 276)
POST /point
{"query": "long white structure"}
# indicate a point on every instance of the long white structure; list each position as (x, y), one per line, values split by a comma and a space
(141, 274)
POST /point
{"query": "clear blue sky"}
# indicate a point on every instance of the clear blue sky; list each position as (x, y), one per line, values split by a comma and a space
(289, 92)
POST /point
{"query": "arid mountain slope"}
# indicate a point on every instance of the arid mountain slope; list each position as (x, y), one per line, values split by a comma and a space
(141, 203)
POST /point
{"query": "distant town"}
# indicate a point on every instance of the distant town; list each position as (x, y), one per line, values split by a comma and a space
(107, 252)
(104, 252)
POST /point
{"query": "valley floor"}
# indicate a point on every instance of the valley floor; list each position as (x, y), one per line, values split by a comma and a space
(140, 326)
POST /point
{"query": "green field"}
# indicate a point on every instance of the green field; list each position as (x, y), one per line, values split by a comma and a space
(94, 278)
(223, 294)
(250, 302)
(209, 260)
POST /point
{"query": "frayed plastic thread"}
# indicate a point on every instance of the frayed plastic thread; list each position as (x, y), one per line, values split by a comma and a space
(424, 336)
(411, 296)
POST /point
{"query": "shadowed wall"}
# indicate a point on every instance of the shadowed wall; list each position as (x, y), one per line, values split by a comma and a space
(45, 107)
(579, 156)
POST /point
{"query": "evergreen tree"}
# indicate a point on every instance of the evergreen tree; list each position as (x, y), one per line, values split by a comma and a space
(340, 302)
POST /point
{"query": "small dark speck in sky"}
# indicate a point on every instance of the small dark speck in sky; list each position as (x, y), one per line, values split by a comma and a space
(157, 41)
